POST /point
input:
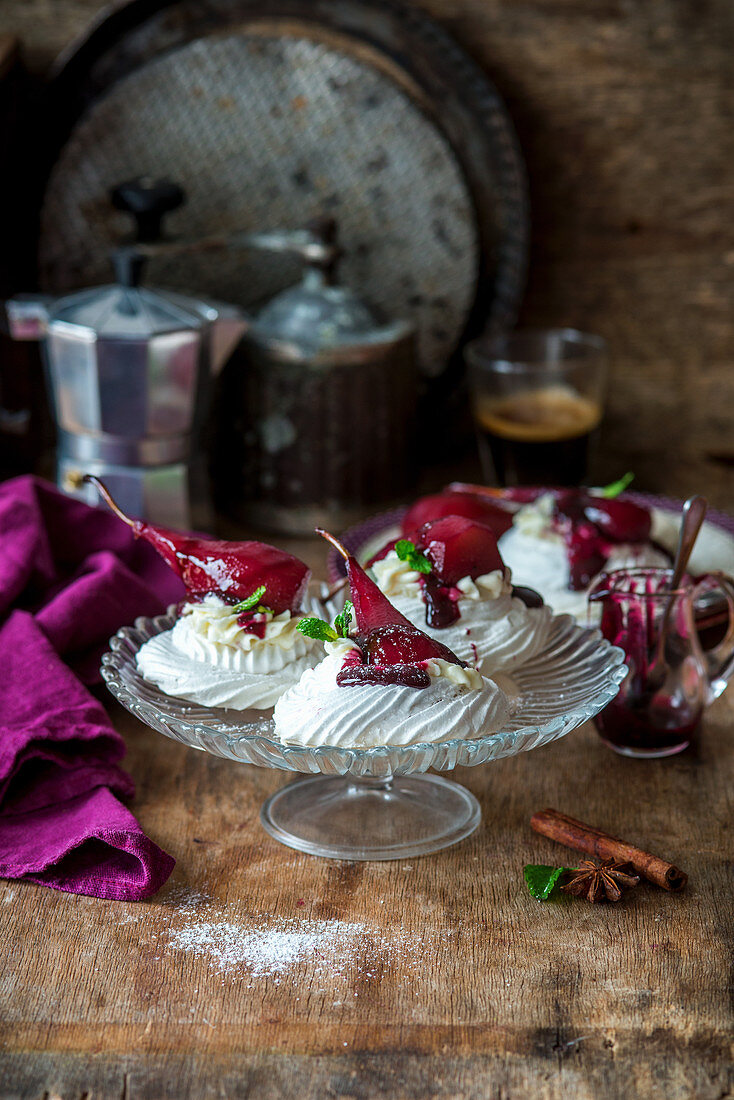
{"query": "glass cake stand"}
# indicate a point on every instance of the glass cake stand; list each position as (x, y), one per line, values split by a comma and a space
(378, 803)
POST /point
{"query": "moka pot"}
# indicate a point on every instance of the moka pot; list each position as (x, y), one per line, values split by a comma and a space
(128, 370)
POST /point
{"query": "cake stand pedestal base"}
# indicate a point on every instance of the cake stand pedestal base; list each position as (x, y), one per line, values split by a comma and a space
(342, 817)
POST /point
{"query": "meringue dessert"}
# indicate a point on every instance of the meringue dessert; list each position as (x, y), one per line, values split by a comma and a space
(390, 685)
(219, 657)
(235, 643)
(453, 584)
(457, 702)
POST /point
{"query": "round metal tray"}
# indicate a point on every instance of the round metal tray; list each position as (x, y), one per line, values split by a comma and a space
(268, 114)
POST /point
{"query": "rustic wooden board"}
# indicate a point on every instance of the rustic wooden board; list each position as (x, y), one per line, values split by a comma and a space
(437, 977)
(456, 983)
(624, 113)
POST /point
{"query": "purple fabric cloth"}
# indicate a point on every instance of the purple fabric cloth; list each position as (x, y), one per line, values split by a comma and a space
(70, 576)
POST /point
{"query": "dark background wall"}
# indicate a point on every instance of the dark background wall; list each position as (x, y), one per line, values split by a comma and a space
(625, 112)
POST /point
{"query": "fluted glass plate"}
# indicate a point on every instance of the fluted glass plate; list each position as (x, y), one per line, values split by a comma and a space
(572, 679)
(376, 804)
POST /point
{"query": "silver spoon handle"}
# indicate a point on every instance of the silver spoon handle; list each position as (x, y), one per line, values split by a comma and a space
(694, 511)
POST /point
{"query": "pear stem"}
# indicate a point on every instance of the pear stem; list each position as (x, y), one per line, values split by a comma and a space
(476, 490)
(105, 494)
(334, 542)
(497, 496)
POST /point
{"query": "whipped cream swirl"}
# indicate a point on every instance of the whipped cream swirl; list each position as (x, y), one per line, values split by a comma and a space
(494, 630)
(209, 658)
(459, 703)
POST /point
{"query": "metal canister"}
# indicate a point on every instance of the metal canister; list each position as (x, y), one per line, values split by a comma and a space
(316, 410)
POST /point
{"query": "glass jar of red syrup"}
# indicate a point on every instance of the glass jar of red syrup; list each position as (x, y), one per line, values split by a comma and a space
(679, 649)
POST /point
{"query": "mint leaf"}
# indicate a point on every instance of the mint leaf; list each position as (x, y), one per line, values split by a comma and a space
(406, 551)
(251, 602)
(541, 879)
(344, 620)
(317, 628)
(617, 487)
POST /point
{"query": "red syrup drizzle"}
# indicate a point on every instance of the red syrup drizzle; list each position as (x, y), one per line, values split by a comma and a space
(250, 622)
(253, 622)
(587, 554)
(442, 602)
(411, 676)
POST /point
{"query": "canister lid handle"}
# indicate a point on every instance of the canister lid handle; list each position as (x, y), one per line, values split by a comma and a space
(148, 201)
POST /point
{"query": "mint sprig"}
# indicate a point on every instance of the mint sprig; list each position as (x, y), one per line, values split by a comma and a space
(616, 487)
(343, 621)
(320, 629)
(416, 559)
(252, 602)
(542, 880)
(317, 628)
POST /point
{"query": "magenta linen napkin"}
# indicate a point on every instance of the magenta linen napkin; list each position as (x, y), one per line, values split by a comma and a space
(70, 575)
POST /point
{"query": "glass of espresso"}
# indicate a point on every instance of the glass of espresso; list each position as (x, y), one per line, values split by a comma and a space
(537, 398)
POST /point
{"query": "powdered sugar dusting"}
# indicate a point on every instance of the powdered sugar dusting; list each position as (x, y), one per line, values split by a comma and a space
(327, 954)
(269, 948)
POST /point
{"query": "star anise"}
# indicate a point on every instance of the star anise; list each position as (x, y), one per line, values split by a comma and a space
(599, 881)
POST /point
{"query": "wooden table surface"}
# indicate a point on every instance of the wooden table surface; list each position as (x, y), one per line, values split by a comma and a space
(260, 972)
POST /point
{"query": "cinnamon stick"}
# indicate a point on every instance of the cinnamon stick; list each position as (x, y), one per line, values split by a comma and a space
(586, 838)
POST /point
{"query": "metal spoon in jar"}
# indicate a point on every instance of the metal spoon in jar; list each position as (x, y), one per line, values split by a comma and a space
(694, 511)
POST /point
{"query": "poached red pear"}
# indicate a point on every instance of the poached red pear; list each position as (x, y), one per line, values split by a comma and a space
(372, 609)
(458, 547)
(619, 520)
(493, 513)
(233, 570)
(398, 644)
(393, 651)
